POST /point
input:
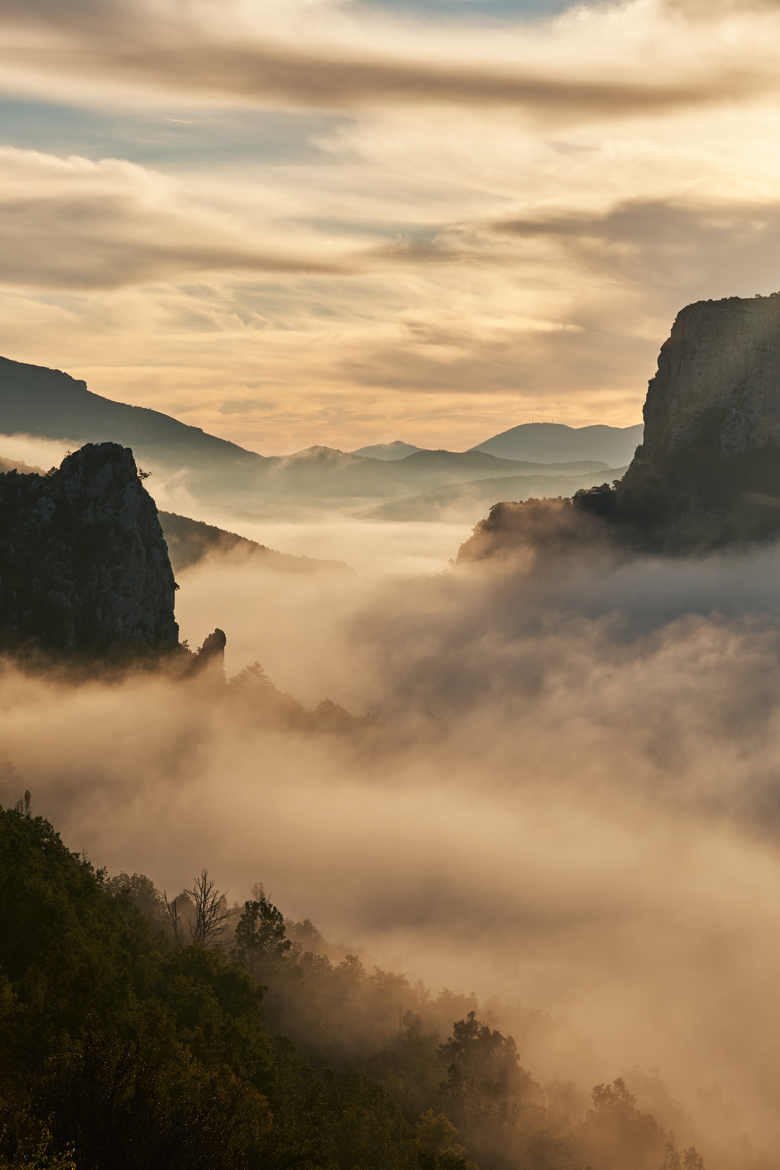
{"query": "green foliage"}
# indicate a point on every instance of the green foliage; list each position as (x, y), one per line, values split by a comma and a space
(438, 1148)
(123, 1048)
(141, 1054)
(261, 939)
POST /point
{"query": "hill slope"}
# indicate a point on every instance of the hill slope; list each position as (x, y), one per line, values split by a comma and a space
(47, 403)
(463, 501)
(234, 1047)
(387, 452)
(191, 542)
(556, 443)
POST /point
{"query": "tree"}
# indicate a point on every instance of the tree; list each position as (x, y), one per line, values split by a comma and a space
(210, 910)
(140, 891)
(172, 910)
(23, 806)
(617, 1134)
(437, 1144)
(483, 1062)
(261, 936)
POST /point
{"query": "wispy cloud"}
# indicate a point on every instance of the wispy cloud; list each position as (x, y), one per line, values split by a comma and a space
(404, 225)
(345, 60)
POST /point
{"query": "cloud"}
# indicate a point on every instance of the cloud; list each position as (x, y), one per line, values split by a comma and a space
(577, 771)
(151, 48)
(718, 9)
(74, 224)
(245, 405)
(358, 269)
(337, 82)
(700, 248)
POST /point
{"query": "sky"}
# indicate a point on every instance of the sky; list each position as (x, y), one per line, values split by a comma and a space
(340, 221)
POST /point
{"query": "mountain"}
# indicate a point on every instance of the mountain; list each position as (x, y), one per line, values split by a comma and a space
(47, 403)
(191, 542)
(387, 452)
(50, 404)
(556, 443)
(85, 565)
(433, 464)
(708, 472)
(464, 501)
(328, 477)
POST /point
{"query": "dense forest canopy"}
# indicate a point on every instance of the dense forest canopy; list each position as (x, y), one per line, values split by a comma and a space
(142, 1031)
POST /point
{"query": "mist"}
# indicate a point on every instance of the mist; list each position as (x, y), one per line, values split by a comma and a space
(566, 796)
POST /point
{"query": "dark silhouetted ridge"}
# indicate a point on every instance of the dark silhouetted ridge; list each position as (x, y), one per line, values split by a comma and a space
(50, 404)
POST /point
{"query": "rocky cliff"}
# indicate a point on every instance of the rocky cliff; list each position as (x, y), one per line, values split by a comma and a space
(708, 471)
(84, 567)
(711, 450)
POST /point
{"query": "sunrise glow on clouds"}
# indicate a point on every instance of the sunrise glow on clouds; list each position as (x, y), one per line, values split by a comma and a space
(300, 221)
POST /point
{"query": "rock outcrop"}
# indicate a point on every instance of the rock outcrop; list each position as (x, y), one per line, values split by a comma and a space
(209, 661)
(708, 471)
(710, 459)
(84, 568)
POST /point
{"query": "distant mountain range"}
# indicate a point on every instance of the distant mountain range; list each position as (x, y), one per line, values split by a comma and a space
(556, 443)
(538, 443)
(50, 404)
(388, 452)
(191, 542)
(460, 502)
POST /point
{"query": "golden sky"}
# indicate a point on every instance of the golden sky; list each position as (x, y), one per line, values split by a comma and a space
(334, 221)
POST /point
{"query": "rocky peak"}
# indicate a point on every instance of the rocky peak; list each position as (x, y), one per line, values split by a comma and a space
(712, 419)
(708, 471)
(83, 564)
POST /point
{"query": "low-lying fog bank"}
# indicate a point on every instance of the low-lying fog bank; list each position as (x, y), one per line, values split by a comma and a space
(567, 796)
(342, 531)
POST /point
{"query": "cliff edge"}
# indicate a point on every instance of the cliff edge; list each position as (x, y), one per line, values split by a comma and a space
(707, 474)
(712, 421)
(84, 568)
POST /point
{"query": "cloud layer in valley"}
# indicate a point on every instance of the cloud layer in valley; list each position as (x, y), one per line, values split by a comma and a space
(569, 798)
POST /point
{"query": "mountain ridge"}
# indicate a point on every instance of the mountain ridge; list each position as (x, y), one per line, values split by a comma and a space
(614, 446)
(387, 452)
(48, 403)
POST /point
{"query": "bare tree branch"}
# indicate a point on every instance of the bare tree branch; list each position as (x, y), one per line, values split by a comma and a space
(210, 909)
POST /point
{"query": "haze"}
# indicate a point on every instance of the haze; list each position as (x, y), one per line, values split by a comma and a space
(546, 780)
(565, 796)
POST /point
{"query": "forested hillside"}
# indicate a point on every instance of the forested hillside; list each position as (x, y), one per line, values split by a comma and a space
(138, 1032)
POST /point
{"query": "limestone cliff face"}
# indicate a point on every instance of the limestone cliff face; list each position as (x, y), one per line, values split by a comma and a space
(708, 471)
(712, 417)
(83, 564)
(721, 361)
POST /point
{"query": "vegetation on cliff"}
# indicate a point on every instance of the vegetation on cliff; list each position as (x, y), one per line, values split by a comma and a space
(136, 1032)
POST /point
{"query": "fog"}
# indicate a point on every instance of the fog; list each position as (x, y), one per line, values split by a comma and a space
(566, 796)
(35, 452)
(297, 527)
